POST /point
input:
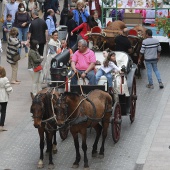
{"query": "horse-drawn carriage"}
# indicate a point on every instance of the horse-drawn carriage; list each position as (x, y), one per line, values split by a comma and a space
(77, 107)
(124, 85)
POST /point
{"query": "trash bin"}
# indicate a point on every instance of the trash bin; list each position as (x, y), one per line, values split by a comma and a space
(62, 32)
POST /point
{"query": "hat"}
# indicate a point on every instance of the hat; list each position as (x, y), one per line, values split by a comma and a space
(133, 32)
(96, 29)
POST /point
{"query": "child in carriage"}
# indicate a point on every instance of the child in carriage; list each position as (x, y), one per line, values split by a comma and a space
(106, 69)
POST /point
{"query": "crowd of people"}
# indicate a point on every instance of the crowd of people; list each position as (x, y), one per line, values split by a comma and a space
(23, 28)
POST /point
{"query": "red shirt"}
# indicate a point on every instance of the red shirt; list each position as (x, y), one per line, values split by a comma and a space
(84, 26)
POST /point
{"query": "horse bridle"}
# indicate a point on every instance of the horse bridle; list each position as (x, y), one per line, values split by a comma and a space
(39, 102)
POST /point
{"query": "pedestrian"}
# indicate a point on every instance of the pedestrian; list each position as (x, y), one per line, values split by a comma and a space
(34, 61)
(71, 25)
(4, 3)
(50, 22)
(80, 14)
(47, 6)
(95, 17)
(151, 50)
(53, 46)
(5, 90)
(12, 48)
(38, 30)
(83, 62)
(11, 8)
(106, 69)
(0, 50)
(22, 21)
(84, 27)
(122, 42)
(32, 5)
(7, 25)
(95, 5)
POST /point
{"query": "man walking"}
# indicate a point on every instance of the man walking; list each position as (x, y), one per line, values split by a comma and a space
(38, 31)
(151, 50)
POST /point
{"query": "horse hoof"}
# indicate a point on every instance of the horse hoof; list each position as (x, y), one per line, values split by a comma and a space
(94, 155)
(75, 166)
(87, 168)
(101, 156)
(55, 151)
(51, 166)
(40, 164)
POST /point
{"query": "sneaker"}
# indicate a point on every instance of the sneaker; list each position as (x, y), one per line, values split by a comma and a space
(150, 86)
(161, 86)
(2, 129)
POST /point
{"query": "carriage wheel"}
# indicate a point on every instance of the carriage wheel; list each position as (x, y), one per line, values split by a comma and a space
(63, 133)
(133, 101)
(116, 122)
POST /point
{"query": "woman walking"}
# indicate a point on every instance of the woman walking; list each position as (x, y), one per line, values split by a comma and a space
(53, 46)
(5, 89)
(13, 47)
(34, 67)
(22, 21)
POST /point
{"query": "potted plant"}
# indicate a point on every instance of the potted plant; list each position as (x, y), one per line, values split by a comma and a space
(163, 22)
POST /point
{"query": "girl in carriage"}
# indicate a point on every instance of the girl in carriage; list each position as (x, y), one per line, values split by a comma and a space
(106, 69)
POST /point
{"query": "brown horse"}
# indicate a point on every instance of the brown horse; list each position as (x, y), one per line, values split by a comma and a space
(105, 39)
(81, 112)
(44, 120)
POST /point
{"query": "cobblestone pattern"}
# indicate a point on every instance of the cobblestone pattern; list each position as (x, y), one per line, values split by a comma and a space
(19, 148)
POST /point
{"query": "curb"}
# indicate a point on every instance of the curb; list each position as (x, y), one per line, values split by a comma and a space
(152, 130)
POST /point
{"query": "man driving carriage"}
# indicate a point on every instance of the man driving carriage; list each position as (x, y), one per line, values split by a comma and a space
(122, 42)
(83, 63)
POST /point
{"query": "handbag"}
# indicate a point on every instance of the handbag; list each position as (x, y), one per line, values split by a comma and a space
(38, 68)
(16, 57)
(2, 19)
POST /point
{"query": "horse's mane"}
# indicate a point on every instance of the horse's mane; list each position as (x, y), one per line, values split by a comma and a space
(47, 104)
(71, 94)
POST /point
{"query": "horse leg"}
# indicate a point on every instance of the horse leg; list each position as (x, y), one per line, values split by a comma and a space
(84, 147)
(104, 135)
(41, 134)
(47, 142)
(76, 144)
(50, 137)
(98, 129)
(54, 143)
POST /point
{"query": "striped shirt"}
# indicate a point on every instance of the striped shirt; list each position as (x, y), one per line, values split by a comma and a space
(150, 47)
(12, 48)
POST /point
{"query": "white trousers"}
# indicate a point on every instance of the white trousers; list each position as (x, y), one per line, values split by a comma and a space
(37, 79)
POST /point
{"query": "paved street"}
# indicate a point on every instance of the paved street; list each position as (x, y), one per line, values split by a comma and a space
(143, 144)
(19, 148)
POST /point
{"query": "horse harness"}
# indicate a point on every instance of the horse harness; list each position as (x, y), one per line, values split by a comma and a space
(78, 119)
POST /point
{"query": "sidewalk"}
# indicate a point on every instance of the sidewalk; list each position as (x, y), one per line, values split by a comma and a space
(155, 152)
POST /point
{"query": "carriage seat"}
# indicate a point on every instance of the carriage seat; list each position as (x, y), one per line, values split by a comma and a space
(121, 58)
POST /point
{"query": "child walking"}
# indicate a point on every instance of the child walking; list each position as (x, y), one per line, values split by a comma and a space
(8, 24)
(108, 66)
(5, 89)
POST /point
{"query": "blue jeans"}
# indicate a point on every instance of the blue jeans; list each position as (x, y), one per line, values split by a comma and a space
(109, 77)
(23, 37)
(152, 65)
(90, 76)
